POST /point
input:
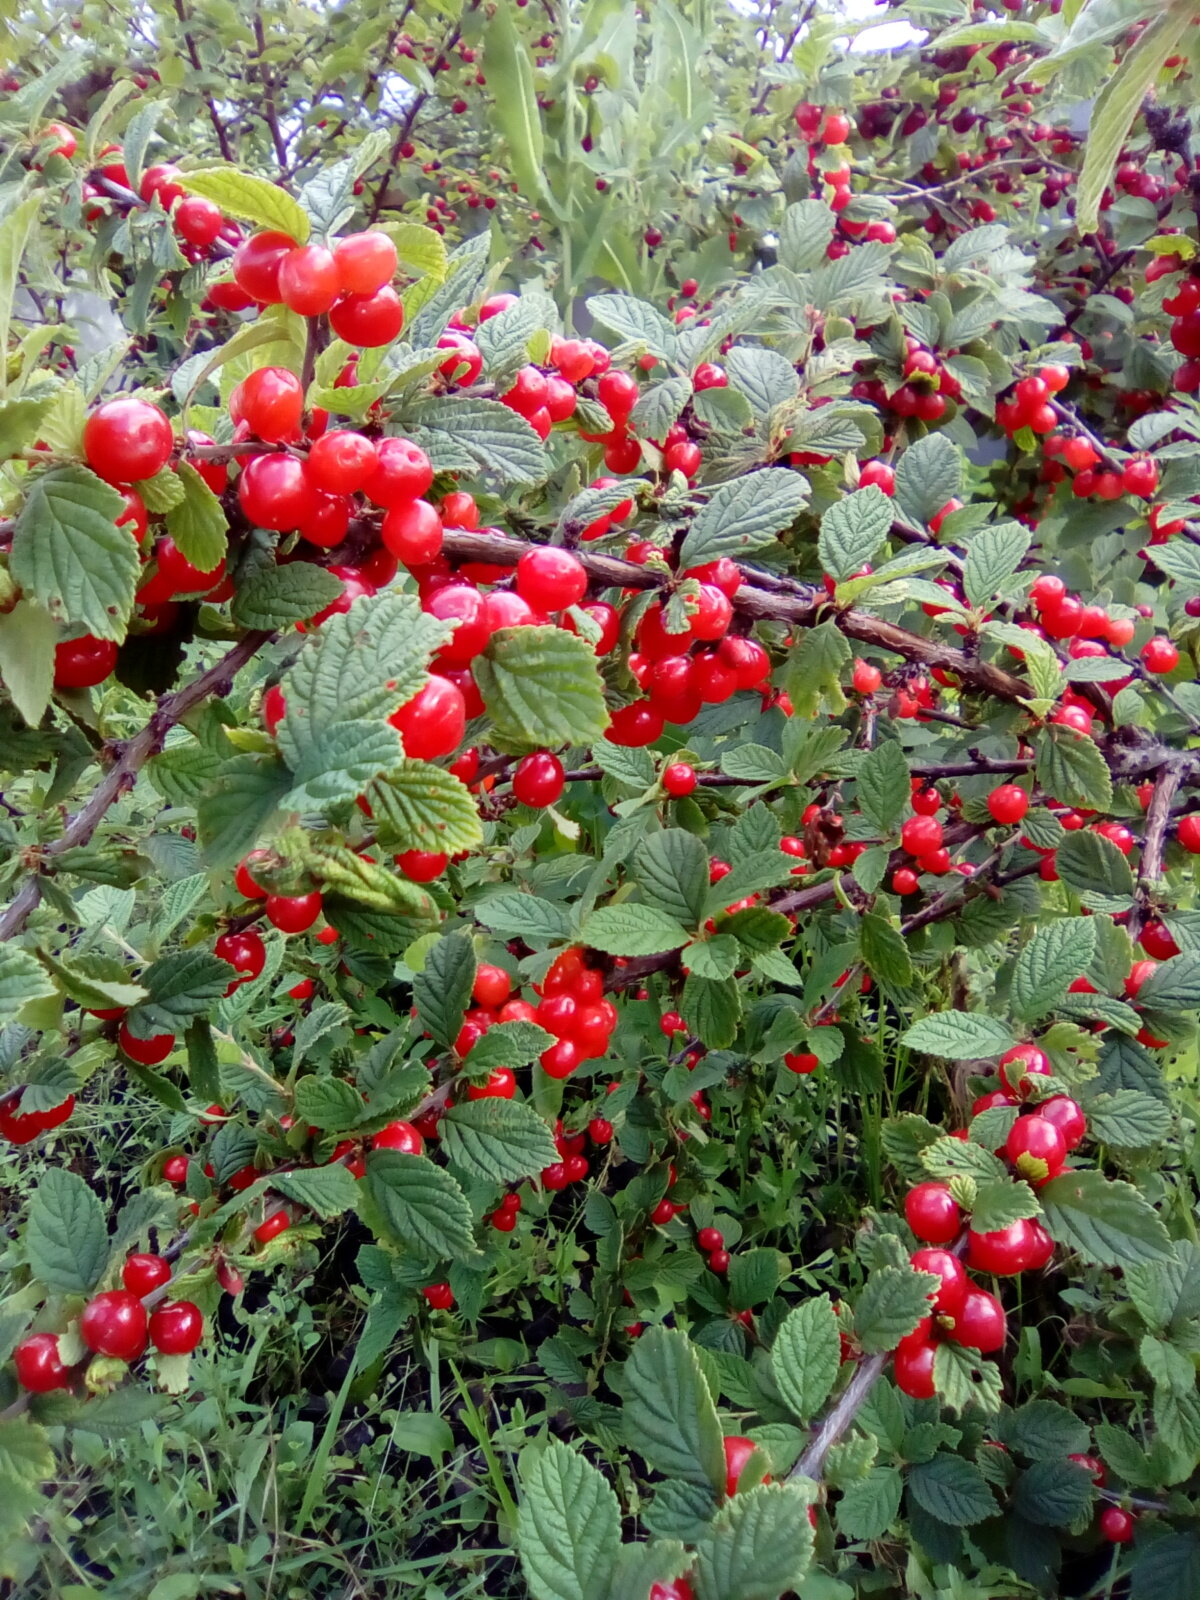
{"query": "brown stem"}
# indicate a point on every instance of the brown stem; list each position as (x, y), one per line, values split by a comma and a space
(270, 110)
(1158, 817)
(123, 773)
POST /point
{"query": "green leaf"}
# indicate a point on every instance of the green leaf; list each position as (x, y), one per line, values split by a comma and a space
(66, 1239)
(460, 432)
(510, 78)
(253, 199)
(14, 234)
(1130, 1119)
(1174, 985)
(272, 597)
(928, 474)
(161, 492)
(883, 785)
(869, 1507)
(542, 687)
(21, 980)
(70, 556)
(668, 1414)
(959, 1036)
(337, 763)
(999, 1202)
(1116, 106)
(569, 1527)
(993, 555)
(633, 930)
(1053, 1494)
(759, 1545)
(638, 322)
(964, 1380)
(460, 284)
(891, 1304)
(1109, 1224)
(361, 663)
(804, 235)
(1071, 769)
(245, 795)
(198, 526)
(884, 951)
(754, 1276)
(672, 871)
(28, 636)
(852, 530)
(330, 1104)
(204, 1073)
(766, 378)
(507, 1044)
(96, 981)
(754, 763)
(1168, 1569)
(1091, 864)
(757, 929)
(1051, 961)
(659, 406)
(954, 1158)
(805, 1356)
(442, 989)
(1043, 1430)
(952, 1490)
(514, 914)
(715, 957)
(420, 806)
(814, 669)
(421, 1205)
(185, 984)
(327, 1191)
(500, 1141)
(712, 1009)
(745, 514)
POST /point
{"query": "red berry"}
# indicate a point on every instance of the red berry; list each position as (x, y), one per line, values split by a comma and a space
(1022, 1061)
(538, 779)
(679, 779)
(867, 678)
(365, 262)
(197, 220)
(400, 1136)
(114, 1324)
(912, 1368)
(402, 473)
(146, 1052)
(921, 835)
(271, 1227)
(177, 1328)
(422, 866)
(932, 1213)
(413, 533)
(125, 440)
(256, 265)
(39, 1367)
(1033, 1141)
(1159, 656)
(368, 321)
(1004, 1253)
(433, 722)
(550, 578)
(949, 1297)
(801, 1062)
(1008, 803)
(275, 492)
(143, 1273)
(439, 1295)
(980, 1324)
(84, 662)
(738, 1451)
(1116, 1525)
(293, 913)
(341, 462)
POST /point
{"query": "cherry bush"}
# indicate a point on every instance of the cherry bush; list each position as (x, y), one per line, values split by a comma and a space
(599, 953)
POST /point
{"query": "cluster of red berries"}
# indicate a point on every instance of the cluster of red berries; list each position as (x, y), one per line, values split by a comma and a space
(20, 1127)
(571, 1006)
(117, 1324)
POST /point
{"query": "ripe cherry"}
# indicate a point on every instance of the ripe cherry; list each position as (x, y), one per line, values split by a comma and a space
(801, 1062)
(738, 1451)
(114, 1324)
(1033, 1141)
(1022, 1061)
(944, 1264)
(365, 262)
(932, 1213)
(1159, 656)
(440, 1296)
(125, 440)
(275, 492)
(271, 1227)
(492, 986)
(433, 722)
(270, 401)
(143, 1273)
(1004, 1252)
(422, 866)
(400, 1136)
(412, 531)
(980, 1324)
(538, 779)
(867, 678)
(1116, 1524)
(921, 835)
(501, 1084)
(256, 265)
(293, 913)
(176, 1329)
(197, 220)
(679, 779)
(402, 472)
(1066, 1115)
(1008, 803)
(146, 1052)
(550, 578)
(912, 1368)
(84, 662)
(39, 1367)
(368, 320)
(245, 952)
